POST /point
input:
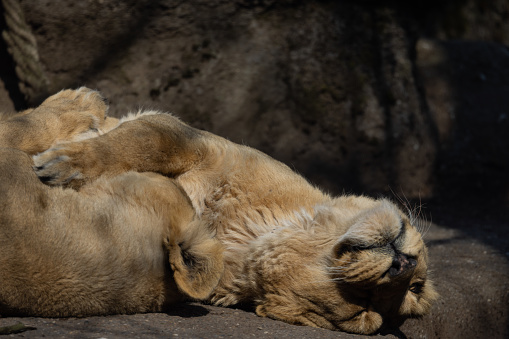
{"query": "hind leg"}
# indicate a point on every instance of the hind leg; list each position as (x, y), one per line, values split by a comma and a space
(62, 117)
(195, 256)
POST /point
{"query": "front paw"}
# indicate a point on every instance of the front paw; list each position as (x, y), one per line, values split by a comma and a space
(63, 165)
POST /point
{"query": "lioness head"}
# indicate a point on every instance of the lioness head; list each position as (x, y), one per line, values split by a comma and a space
(357, 265)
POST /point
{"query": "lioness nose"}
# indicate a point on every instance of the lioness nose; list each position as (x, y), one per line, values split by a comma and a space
(401, 263)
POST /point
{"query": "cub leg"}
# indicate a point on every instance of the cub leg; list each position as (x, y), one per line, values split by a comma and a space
(196, 258)
(61, 117)
(151, 143)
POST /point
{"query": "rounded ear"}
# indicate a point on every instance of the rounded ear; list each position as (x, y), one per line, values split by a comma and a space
(196, 260)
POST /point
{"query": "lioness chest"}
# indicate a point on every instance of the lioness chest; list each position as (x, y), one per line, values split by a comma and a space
(248, 194)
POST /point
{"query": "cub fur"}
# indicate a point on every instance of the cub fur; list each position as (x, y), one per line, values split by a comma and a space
(347, 263)
(120, 245)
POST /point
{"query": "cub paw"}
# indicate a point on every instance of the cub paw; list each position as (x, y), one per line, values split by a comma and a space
(82, 99)
(61, 166)
(74, 112)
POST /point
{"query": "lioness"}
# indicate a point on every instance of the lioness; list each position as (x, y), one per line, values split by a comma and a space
(347, 263)
(106, 249)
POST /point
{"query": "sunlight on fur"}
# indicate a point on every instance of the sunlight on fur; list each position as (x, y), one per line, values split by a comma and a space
(348, 263)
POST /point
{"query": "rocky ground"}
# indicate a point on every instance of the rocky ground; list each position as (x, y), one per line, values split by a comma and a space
(358, 97)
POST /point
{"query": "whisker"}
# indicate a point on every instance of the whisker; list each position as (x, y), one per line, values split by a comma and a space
(339, 269)
(418, 208)
(346, 261)
(422, 225)
(336, 267)
(412, 211)
(427, 226)
(324, 281)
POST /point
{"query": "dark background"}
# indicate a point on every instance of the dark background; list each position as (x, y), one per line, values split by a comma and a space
(408, 99)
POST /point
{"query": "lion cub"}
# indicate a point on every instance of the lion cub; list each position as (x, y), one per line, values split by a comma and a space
(128, 244)
(347, 263)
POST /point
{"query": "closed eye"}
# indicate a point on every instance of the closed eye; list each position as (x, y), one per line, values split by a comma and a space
(357, 248)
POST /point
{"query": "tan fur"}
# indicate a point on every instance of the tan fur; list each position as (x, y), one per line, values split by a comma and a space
(346, 263)
(119, 245)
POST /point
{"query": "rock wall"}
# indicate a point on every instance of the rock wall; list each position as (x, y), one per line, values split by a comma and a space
(346, 92)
